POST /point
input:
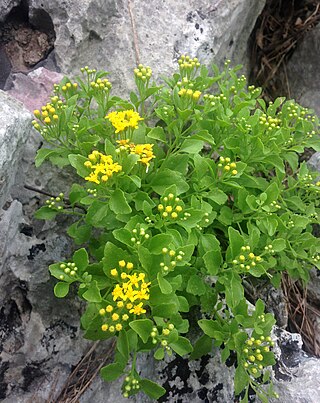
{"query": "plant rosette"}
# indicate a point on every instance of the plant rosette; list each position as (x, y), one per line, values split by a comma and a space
(186, 190)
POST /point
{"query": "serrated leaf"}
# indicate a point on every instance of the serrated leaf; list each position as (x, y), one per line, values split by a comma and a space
(93, 293)
(195, 285)
(158, 242)
(118, 203)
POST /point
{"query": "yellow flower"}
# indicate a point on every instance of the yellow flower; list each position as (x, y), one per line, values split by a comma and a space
(102, 167)
(104, 327)
(124, 119)
(114, 272)
(118, 327)
(145, 152)
(115, 316)
(137, 309)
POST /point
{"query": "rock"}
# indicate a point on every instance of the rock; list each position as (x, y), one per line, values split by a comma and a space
(91, 33)
(34, 89)
(303, 72)
(296, 375)
(6, 7)
(14, 132)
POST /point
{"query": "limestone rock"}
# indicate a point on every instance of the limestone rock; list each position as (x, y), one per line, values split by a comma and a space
(6, 7)
(303, 71)
(91, 32)
(14, 132)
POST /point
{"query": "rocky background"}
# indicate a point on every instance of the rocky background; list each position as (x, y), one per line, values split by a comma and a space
(43, 357)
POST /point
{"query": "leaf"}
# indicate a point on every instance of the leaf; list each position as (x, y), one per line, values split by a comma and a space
(241, 379)
(209, 327)
(165, 310)
(123, 345)
(77, 161)
(182, 346)
(278, 245)
(143, 328)
(129, 162)
(42, 155)
(157, 133)
(236, 242)
(159, 354)
(218, 196)
(81, 259)
(45, 213)
(233, 290)
(213, 261)
(202, 347)
(118, 203)
(111, 372)
(164, 285)
(93, 293)
(191, 146)
(152, 389)
(167, 177)
(158, 242)
(61, 289)
(195, 285)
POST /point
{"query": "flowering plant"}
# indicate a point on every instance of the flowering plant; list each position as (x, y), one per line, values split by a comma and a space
(187, 191)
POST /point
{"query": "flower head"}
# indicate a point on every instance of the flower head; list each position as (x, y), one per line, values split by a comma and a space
(124, 119)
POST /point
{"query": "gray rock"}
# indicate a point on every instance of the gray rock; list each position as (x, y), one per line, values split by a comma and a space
(6, 7)
(303, 71)
(14, 132)
(88, 32)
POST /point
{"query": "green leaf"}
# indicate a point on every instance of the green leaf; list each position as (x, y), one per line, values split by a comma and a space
(45, 213)
(202, 347)
(278, 245)
(158, 242)
(143, 328)
(236, 242)
(61, 289)
(129, 162)
(42, 155)
(182, 346)
(159, 354)
(93, 293)
(218, 196)
(81, 259)
(165, 310)
(118, 203)
(164, 285)
(241, 379)
(77, 161)
(152, 389)
(191, 146)
(158, 134)
(123, 345)
(195, 285)
(165, 178)
(233, 290)
(213, 261)
(209, 327)
(111, 372)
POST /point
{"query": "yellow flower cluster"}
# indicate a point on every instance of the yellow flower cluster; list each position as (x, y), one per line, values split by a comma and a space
(227, 165)
(247, 259)
(143, 72)
(124, 119)
(145, 151)
(170, 259)
(128, 297)
(170, 207)
(253, 353)
(48, 113)
(189, 93)
(102, 167)
(102, 85)
(185, 62)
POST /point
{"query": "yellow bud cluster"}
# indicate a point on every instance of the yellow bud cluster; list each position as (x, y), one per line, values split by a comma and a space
(67, 87)
(102, 167)
(49, 113)
(187, 63)
(189, 94)
(139, 235)
(70, 269)
(246, 260)
(55, 203)
(101, 85)
(170, 207)
(253, 353)
(171, 259)
(269, 122)
(130, 385)
(228, 166)
(143, 73)
(88, 71)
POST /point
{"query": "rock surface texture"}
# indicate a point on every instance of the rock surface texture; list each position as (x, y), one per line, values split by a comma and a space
(14, 133)
(303, 71)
